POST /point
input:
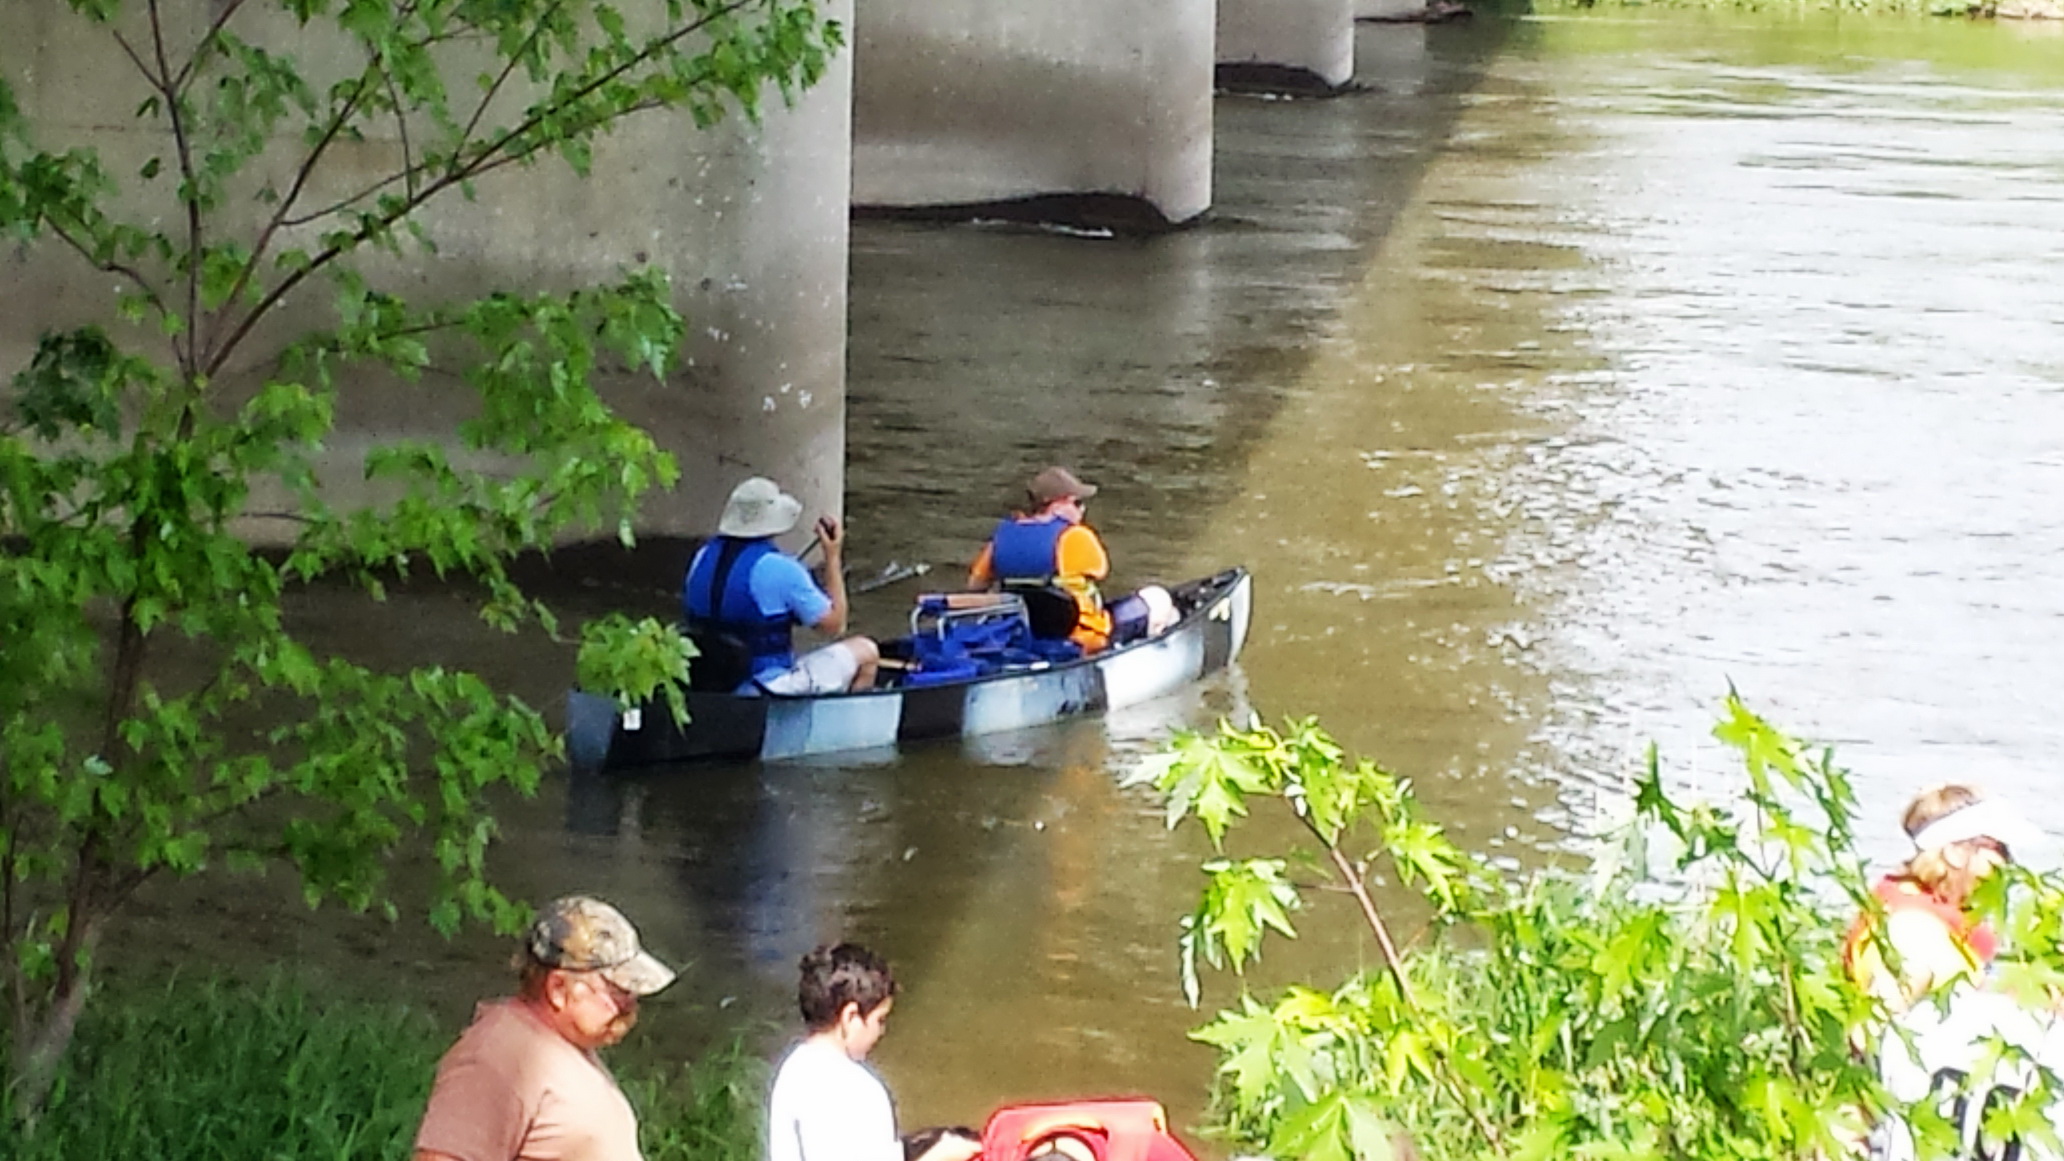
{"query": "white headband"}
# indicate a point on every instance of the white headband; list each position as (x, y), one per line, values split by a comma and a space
(1986, 818)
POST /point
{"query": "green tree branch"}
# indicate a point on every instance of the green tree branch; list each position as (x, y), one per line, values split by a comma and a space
(123, 481)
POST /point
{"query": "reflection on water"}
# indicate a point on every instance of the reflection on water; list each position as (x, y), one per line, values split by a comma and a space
(1817, 454)
(1569, 375)
(1701, 351)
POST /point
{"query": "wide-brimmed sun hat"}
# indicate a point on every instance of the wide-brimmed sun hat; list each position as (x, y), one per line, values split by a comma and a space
(580, 933)
(758, 507)
(1058, 484)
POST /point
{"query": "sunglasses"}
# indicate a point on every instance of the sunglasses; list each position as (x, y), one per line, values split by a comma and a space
(622, 997)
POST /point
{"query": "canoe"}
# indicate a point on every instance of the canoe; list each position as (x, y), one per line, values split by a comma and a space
(600, 736)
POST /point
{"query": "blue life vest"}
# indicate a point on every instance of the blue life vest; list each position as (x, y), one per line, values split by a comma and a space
(717, 599)
(1027, 551)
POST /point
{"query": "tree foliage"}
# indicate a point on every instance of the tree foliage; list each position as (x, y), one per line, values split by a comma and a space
(1681, 996)
(131, 448)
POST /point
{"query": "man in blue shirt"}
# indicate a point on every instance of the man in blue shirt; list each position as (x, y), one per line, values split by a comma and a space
(743, 592)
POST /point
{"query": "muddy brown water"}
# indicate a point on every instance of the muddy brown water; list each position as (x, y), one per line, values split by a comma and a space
(1580, 368)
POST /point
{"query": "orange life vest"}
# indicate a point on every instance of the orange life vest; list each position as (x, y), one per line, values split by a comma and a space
(1026, 552)
(1976, 939)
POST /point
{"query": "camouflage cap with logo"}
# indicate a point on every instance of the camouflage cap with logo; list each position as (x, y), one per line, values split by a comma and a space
(580, 933)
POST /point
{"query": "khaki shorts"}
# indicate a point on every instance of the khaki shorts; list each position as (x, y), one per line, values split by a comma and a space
(830, 669)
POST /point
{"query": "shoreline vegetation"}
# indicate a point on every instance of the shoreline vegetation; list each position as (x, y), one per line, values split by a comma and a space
(230, 1071)
(1680, 992)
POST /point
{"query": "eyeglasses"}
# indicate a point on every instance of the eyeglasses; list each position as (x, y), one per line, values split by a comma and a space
(623, 998)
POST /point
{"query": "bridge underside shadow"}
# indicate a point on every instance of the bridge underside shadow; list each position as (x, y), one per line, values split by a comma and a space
(978, 354)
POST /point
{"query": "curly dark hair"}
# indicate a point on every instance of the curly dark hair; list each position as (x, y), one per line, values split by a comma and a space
(834, 976)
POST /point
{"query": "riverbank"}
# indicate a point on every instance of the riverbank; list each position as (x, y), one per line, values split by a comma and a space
(234, 1072)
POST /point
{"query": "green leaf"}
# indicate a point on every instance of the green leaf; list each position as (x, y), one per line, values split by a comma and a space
(73, 382)
(637, 661)
(1253, 1044)
(1371, 1135)
(1321, 1131)
(1244, 899)
(221, 269)
(1208, 779)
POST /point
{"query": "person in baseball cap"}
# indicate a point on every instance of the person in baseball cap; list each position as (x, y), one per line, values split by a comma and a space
(524, 1080)
(580, 933)
(1057, 483)
(1047, 549)
(1047, 555)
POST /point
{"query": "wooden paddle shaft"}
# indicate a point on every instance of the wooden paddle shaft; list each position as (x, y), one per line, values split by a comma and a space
(971, 600)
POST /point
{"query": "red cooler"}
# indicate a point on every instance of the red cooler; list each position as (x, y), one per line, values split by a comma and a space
(1111, 1130)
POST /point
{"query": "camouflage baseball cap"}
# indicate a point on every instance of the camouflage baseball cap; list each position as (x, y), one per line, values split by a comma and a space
(580, 933)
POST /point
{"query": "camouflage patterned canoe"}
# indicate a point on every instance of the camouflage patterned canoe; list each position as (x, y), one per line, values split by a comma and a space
(1215, 612)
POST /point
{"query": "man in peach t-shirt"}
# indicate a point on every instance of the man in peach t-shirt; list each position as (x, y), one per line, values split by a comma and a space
(523, 1082)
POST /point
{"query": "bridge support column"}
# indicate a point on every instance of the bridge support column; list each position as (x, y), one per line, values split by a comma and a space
(1092, 111)
(752, 222)
(749, 220)
(1293, 46)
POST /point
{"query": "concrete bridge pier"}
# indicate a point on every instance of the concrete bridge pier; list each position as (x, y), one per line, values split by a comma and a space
(1287, 46)
(1090, 112)
(749, 220)
(752, 221)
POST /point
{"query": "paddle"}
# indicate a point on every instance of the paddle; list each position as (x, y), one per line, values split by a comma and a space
(894, 573)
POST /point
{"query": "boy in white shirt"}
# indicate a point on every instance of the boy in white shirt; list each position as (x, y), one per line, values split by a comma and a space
(826, 1104)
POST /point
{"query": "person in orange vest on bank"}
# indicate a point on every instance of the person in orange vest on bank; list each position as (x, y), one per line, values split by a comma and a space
(1047, 546)
(1959, 838)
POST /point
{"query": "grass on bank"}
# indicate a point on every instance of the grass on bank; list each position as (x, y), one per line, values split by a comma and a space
(231, 1072)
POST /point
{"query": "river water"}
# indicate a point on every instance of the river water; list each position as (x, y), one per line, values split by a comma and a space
(1579, 368)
